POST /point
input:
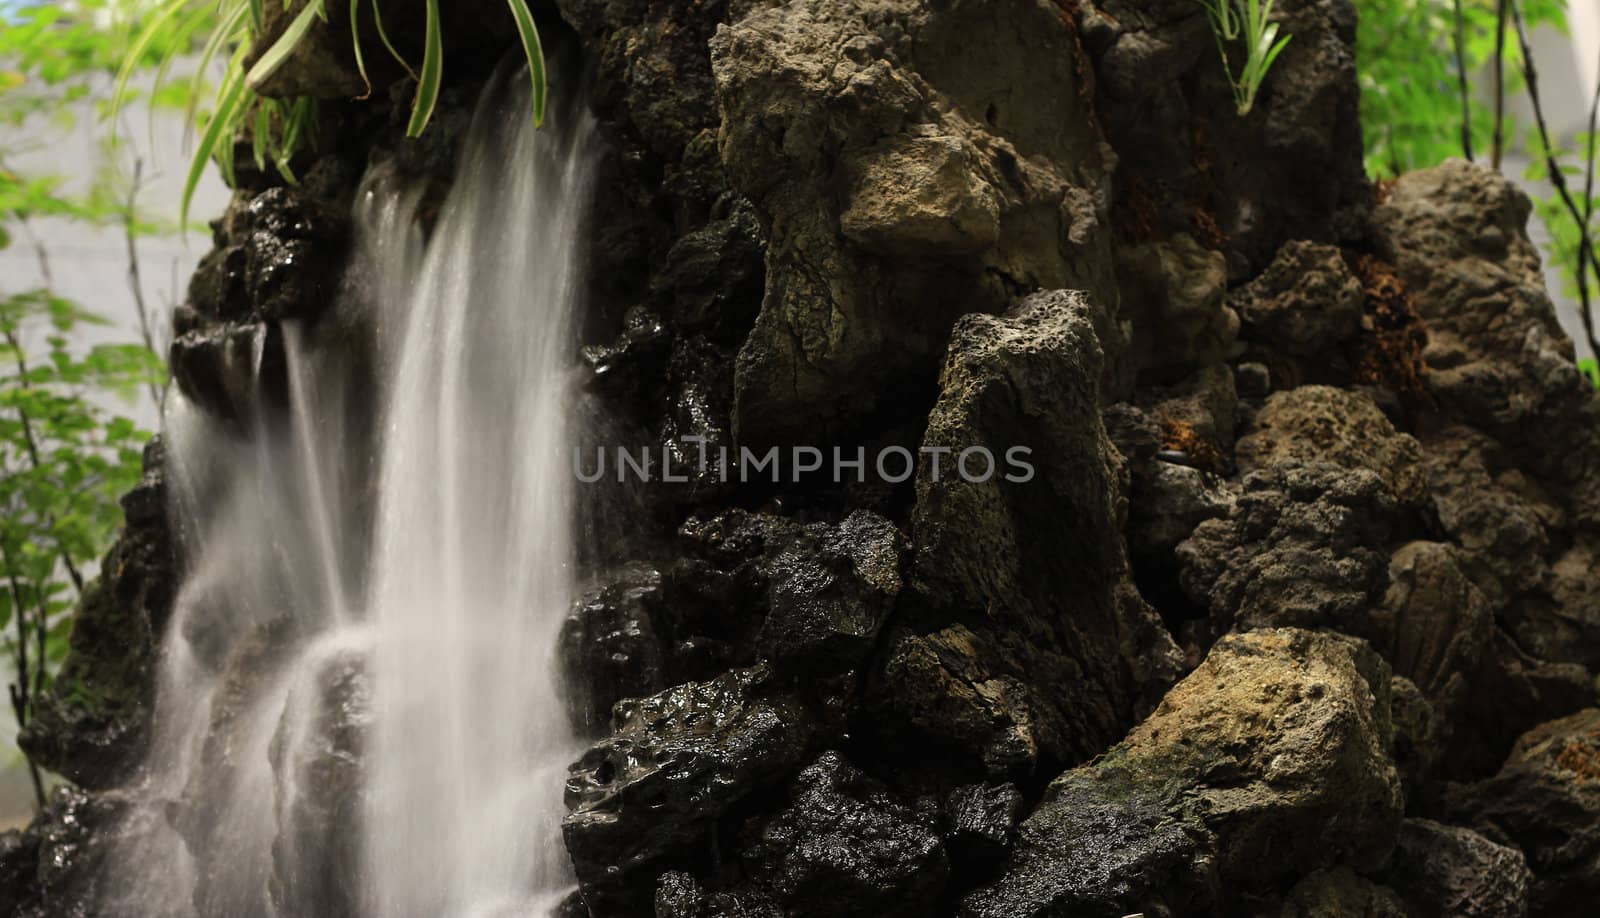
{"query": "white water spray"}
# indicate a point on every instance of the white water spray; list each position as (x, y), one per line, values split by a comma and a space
(358, 712)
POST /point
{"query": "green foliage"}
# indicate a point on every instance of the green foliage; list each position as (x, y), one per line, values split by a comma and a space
(1411, 110)
(1250, 20)
(66, 453)
(279, 127)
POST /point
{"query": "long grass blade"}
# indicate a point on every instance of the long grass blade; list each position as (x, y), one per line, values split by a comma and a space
(135, 55)
(284, 46)
(222, 120)
(383, 36)
(355, 43)
(534, 50)
(231, 28)
(431, 78)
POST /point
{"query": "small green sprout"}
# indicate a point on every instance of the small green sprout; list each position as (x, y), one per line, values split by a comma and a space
(1250, 20)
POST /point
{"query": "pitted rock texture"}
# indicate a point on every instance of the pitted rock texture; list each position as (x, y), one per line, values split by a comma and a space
(1269, 761)
(1546, 801)
(1048, 647)
(648, 795)
(911, 165)
(1449, 870)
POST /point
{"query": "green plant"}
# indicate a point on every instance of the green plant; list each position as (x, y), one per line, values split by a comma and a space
(1415, 59)
(1250, 20)
(65, 460)
(66, 455)
(279, 127)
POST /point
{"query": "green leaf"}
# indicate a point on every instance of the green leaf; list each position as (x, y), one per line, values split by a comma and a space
(432, 76)
(221, 123)
(285, 45)
(534, 50)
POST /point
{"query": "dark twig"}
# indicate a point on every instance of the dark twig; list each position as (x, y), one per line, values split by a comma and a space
(130, 237)
(1580, 215)
(1459, 39)
(1499, 85)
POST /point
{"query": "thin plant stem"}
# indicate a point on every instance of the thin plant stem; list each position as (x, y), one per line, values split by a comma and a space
(1458, 38)
(1499, 85)
(1586, 255)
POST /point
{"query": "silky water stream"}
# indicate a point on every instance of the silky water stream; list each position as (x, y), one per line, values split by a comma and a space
(358, 712)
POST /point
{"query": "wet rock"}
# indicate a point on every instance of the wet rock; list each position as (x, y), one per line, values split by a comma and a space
(1546, 801)
(65, 864)
(610, 645)
(1055, 649)
(651, 792)
(1303, 546)
(1305, 304)
(230, 370)
(829, 592)
(844, 846)
(679, 895)
(1346, 428)
(826, 109)
(714, 273)
(219, 288)
(697, 429)
(1449, 870)
(1175, 292)
(294, 253)
(1496, 355)
(316, 758)
(981, 823)
(92, 723)
(1266, 763)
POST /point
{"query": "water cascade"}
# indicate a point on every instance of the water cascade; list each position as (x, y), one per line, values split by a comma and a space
(358, 712)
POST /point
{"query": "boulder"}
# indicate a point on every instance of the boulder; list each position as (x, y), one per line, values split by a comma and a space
(1268, 762)
(611, 647)
(650, 793)
(1029, 643)
(1340, 426)
(1496, 356)
(1545, 801)
(844, 846)
(1449, 870)
(316, 757)
(1306, 304)
(1303, 546)
(1175, 293)
(92, 723)
(904, 181)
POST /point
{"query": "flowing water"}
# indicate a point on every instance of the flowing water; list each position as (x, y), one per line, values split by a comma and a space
(358, 711)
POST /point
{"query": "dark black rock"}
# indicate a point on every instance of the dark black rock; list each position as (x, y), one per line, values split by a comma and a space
(845, 847)
(981, 823)
(316, 759)
(1448, 870)
(611, 647)
(648, 795)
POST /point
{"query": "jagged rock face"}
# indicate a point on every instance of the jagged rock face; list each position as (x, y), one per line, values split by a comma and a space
(1291, 169)
(1496, 355)
(1345, 428)
(904, 182)
(1268, 762)
(1546, 801)
(1045, 647)
(844, 846)
(316, 758)
(92, 723)
(1296, 550)
(650, 795)
(1449, 870)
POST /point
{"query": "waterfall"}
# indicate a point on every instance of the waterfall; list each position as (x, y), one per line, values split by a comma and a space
(358, 712)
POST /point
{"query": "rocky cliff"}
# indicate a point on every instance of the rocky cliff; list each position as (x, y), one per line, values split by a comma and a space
(1296, 614)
